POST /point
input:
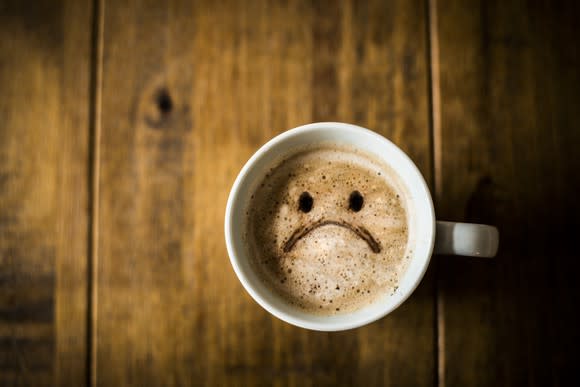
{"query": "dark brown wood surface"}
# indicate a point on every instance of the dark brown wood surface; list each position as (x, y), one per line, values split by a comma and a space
(510, 131)
(124, 123)
(44, 141)
(189, 93)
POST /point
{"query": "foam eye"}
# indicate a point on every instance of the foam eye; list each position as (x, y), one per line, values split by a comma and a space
(355, 201)
(305, 202)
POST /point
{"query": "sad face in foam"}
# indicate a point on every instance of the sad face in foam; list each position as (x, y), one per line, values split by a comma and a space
(355, 203)
(328, 230)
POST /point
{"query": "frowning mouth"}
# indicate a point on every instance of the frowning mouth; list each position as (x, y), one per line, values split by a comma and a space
(360, 231)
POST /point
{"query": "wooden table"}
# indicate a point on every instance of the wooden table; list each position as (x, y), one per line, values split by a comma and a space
(124, 123)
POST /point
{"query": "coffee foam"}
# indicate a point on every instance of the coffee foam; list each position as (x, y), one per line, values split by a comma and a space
(324, 261)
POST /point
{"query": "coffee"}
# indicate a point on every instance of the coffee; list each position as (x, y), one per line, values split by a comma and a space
(327, 229)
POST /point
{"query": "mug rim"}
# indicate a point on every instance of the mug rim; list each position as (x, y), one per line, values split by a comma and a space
(229, 227)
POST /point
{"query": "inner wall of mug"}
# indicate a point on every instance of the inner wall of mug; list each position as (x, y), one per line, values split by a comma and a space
(418, 203)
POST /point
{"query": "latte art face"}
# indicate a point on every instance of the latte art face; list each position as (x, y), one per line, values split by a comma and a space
(327, 229)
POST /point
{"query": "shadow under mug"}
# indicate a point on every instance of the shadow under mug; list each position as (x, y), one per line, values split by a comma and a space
(430, 236)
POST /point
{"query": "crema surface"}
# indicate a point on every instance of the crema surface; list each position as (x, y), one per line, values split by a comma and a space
(327, 229)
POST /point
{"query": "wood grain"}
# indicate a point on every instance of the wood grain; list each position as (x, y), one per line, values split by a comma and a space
(44, 134)
(189, 92)
(509, 121)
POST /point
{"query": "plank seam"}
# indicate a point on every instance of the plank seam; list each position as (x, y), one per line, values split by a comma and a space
(435, 121)
(96, 69)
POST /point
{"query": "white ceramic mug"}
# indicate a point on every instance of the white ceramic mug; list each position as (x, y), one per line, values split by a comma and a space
(429, 235)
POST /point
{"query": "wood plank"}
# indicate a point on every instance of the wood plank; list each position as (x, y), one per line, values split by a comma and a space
(44, 134)
(189, 93)
(509, 121)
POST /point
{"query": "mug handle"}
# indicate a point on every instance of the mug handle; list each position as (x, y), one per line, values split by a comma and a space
(469, 239)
